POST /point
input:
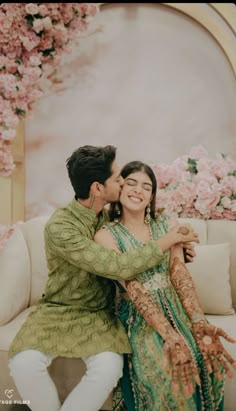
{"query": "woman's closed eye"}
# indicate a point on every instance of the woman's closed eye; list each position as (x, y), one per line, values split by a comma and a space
(145, 186)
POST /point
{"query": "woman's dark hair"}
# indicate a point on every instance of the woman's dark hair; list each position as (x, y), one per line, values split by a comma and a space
(88, 164)
(115, 209)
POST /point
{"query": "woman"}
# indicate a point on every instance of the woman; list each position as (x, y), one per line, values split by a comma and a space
(178, 361)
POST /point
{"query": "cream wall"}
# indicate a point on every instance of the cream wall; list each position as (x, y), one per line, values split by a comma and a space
(152, 81)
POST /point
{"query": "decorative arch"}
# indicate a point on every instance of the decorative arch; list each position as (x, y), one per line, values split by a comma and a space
(217, 18)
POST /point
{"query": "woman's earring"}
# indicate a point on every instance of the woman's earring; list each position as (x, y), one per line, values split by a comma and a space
(117, 210)
(148, 215)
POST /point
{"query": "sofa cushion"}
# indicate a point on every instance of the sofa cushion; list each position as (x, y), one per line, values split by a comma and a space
(33, 231)
(9, 330)
(223, 231)
(210, 271)
(14, 277)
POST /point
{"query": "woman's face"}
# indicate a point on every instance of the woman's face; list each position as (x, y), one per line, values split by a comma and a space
(136, 192)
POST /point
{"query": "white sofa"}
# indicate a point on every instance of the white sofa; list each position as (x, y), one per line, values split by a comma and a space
(23, 273)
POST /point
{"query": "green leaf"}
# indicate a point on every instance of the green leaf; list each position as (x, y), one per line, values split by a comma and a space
(232, 174)
(20, 112)
(18, 61)
(48, 52)
(192, 166)
(30, 19)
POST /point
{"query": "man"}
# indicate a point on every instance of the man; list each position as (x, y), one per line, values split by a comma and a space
(75, 316)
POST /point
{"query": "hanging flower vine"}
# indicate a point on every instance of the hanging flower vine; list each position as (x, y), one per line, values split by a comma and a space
(33, 37)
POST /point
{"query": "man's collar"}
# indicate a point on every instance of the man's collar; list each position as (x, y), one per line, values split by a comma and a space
(81, 211)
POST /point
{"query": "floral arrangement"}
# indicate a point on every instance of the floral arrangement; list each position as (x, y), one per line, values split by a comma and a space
(197, 186)
(33, 38)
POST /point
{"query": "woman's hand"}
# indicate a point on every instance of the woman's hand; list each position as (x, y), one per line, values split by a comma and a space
(178, 356)
(215, 355)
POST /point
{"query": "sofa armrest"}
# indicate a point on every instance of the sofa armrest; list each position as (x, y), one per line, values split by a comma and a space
(14, 277)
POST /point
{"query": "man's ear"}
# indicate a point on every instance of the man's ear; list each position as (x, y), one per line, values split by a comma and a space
(96, 189)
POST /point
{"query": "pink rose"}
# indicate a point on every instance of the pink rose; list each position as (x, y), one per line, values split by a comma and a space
(47, 23)
(228, 186)
(198, 152)
(31, 8)
(226, 202)
(92, 9)
(204, 165)
(8, 134)
(43, 11)
(38, 25)
(35, 60)
(229, 215)
(207, 202)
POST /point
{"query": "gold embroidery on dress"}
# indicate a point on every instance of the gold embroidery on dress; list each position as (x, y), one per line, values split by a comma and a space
(158, 281)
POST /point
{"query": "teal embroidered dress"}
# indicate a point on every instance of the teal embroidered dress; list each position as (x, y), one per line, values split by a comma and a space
(145, 386)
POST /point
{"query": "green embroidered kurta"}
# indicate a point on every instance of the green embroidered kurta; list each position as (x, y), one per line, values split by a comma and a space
(76, 315)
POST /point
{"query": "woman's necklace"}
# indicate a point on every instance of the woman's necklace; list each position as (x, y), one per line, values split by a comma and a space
(141, 233)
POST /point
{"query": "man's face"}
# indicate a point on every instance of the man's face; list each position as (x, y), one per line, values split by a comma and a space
(112, 186)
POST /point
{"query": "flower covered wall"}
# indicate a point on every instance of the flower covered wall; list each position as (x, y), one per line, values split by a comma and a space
(147, 79)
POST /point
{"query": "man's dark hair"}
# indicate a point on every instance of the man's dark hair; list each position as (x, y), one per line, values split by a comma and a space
(88, 164)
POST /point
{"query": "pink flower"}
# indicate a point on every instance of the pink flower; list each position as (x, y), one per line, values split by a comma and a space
(226, 202)
(198, 152)
(229, 215)
(43, 10)
(35, 60)
(38, 25)
(92, 9)
(8, 134)
(233, 206)
(228, 185)
(47, 23)
(31, 8)
(204, 165)
(30, 42)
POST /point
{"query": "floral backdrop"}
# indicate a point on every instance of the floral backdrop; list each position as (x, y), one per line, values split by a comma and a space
(194, 186)
(33, 39)
(198, 186)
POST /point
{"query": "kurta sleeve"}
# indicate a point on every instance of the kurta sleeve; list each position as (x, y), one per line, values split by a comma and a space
(66, 242)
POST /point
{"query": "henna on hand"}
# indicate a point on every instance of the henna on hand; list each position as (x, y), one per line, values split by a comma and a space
(184, 370)
(183, 230)
(175, 351)
(208, 339)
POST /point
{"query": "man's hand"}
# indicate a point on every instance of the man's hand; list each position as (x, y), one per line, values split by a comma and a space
(177, 355)
(189, 252)
(208, 339)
